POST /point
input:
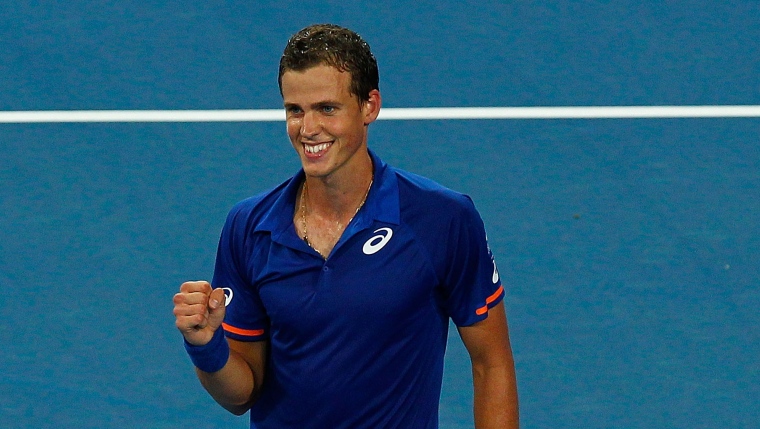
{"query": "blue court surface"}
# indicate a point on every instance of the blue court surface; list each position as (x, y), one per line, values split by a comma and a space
(629, 247)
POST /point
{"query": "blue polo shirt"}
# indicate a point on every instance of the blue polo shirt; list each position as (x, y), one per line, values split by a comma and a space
(356, 340)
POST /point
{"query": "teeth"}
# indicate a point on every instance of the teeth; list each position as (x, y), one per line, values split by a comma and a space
(316, 148)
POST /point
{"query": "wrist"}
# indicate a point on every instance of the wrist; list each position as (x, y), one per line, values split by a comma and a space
(212, 356)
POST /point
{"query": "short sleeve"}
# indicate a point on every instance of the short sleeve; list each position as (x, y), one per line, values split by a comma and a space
(472, 281)
(245, 317)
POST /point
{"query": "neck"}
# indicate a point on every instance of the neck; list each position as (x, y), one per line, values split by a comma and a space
(326, 231)
(336, 203)
(337, 196)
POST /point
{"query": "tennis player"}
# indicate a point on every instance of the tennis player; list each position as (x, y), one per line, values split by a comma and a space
(332, 293)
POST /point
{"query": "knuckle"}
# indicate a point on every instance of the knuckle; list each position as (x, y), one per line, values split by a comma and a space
(194, 286)
(188, 309)
(179, 298)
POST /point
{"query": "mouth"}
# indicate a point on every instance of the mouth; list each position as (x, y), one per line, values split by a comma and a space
(316, 150)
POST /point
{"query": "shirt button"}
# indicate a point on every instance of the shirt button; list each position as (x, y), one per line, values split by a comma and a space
(325, 268)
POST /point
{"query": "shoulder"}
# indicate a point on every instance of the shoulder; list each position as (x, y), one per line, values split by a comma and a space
(421, 194)
(251, 211)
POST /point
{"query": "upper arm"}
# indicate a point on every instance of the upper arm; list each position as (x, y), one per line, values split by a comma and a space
(254, 354)
(493, 370)
(487, 341)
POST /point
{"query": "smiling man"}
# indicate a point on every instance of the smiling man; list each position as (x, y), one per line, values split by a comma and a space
(341, 281)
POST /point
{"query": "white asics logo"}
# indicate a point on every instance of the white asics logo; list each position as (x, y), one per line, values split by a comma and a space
(495, 275)
(227, 296)
(377, 242)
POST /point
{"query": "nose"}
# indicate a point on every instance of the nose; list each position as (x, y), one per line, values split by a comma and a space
(310, 124)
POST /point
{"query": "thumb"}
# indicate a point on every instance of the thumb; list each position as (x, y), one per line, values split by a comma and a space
(216, 308)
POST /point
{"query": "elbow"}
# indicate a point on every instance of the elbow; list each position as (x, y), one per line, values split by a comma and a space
(238, 411)
(484, 371)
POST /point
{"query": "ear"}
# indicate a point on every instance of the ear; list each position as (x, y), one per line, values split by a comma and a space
(371, 107)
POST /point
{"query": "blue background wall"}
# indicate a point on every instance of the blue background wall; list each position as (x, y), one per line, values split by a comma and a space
(629, 247)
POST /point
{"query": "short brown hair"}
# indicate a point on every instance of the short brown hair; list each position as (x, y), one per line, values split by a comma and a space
(334, 46)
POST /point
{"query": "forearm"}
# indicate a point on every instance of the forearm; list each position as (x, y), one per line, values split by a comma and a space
(495, 401)
(233, 387)
(231, 371)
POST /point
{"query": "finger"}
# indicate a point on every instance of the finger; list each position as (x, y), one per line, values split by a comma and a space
(216, 299)
(191, 298)
(192, 323)
(190, 310)
(201, 286)
(216, 308)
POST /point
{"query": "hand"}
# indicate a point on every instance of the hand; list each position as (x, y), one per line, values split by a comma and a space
(199, 311)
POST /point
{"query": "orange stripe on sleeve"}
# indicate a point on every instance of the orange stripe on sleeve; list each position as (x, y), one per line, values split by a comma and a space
(246, 332)
(484, 309)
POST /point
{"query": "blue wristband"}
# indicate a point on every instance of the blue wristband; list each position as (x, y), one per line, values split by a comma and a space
(211, 357)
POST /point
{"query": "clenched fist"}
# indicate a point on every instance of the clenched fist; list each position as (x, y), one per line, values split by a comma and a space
(199, 311)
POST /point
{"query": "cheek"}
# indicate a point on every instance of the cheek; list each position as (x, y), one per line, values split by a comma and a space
(342, 128)
(353, 132)
(293, 128)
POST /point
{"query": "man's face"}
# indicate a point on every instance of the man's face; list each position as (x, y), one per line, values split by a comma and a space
(327, 125)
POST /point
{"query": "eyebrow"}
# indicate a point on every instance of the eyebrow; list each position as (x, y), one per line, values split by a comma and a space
(314, 105)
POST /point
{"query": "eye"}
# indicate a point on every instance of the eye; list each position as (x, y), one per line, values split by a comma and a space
(293, 110)
(328, 109)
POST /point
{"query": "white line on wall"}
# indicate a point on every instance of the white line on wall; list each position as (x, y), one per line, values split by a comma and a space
(414, 113)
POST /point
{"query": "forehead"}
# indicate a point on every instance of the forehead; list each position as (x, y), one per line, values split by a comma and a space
(314, 83)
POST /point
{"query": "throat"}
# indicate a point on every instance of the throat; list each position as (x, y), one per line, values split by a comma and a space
(323, 233)
(322, 236)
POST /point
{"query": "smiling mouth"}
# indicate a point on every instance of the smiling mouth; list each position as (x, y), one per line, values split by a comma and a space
(317, 148)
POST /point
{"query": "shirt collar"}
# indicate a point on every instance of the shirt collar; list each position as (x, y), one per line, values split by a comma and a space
(383, 200)
(382, 203)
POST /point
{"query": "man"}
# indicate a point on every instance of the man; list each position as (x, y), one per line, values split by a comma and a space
(340, 282)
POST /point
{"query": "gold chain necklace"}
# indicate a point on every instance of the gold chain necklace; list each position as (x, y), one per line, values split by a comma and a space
(304, 193)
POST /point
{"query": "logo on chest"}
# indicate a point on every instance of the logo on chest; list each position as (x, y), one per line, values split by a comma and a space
(377, 242)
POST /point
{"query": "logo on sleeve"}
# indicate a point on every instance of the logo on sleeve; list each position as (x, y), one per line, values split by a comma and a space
(377, 242)
(227, 296)
(495, 275)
